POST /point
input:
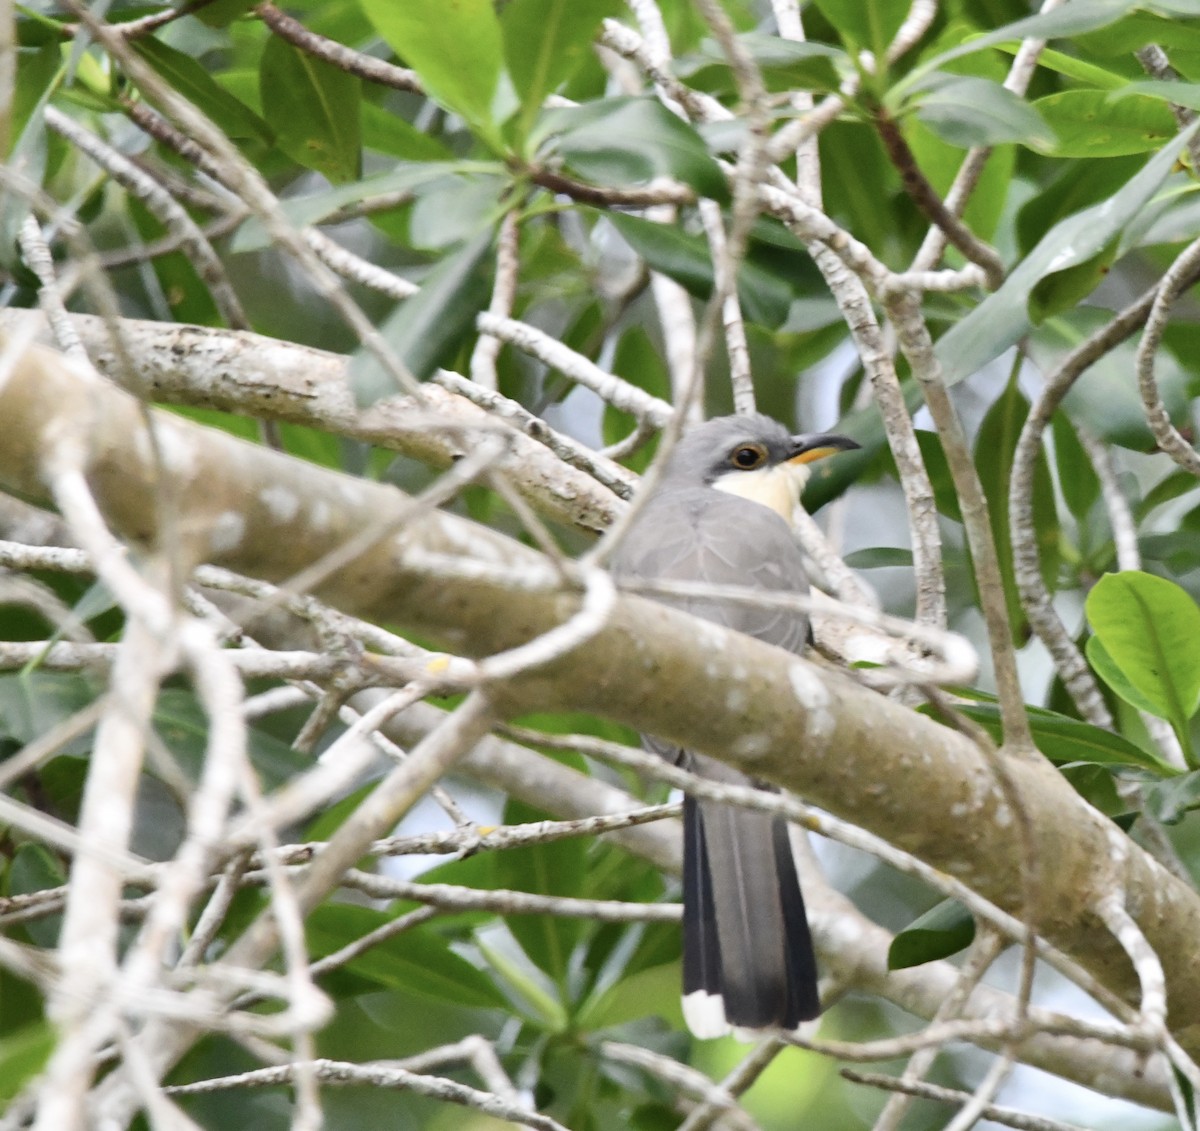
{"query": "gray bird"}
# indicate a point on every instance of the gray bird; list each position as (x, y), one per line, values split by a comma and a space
(722, 514)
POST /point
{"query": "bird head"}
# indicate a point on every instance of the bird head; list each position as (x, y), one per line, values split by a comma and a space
(753, 457)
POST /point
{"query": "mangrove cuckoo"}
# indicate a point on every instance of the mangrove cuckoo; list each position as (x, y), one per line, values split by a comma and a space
(722, 514)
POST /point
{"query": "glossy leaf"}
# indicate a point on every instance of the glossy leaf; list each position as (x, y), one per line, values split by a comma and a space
(942, 931)
(457, 50)
(426, 329)
(624, 141)
(1092, 123)
(1065, 740)
(1149, 627)
(966, 110)
(313, 107)
(545, 42)
(418, 961)
(1000, 320)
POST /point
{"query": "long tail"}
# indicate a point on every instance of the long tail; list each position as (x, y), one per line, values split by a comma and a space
(748, 958)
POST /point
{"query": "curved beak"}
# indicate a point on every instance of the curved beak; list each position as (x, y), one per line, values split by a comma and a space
(812, 446)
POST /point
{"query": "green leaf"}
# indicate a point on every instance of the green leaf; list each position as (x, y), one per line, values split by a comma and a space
(385, 131)
(1064, 290)
(966, 110)
(624, 141)
(418, 961)
(942, 931)
(1149, 627)
(545, 42)
(1068, 20)
(765, 296)
(1166, 490)
(1176, 93)
(1087, 73)
(455, 46)
(880, 557)
(995, 447)
(1076, 476)
(785, 65)
(1002, 318)
(190, 79)
(313, 208)
(313, 107)
(865, 23)
(1094, 123)
(1169, 801)
(428, 328)
(1063, 739)
(945, 496)
(23, 1055)
(555, 868)
(34, 868)
(653, 992)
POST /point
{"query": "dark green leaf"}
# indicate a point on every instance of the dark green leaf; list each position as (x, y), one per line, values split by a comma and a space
(34, 869)
(879, 557)
(934, 457)
(545, 42)
(995, 446)
(624, 141)
(1093, 123)
(313, 107)
(456, 49)
(765, 296)
(1076, 476)
(431, 326)
(965, 110)
(190, 79)
(1000, 320)
(1061, 738)
(417, 961)
(942, 931)
(1064, 290)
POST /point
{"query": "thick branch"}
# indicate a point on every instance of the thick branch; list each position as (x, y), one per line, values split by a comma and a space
(920, 785)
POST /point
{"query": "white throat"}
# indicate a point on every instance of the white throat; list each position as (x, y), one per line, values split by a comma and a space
(776, 487)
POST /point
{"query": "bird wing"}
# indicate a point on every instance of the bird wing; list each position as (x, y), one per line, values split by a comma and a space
(703, 535)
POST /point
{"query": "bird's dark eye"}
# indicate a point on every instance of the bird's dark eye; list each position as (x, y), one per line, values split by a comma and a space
(748, 457)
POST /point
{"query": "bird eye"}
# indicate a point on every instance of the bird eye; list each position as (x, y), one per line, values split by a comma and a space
(749, 457)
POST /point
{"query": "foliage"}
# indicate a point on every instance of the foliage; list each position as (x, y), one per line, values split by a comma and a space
(509, 145)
